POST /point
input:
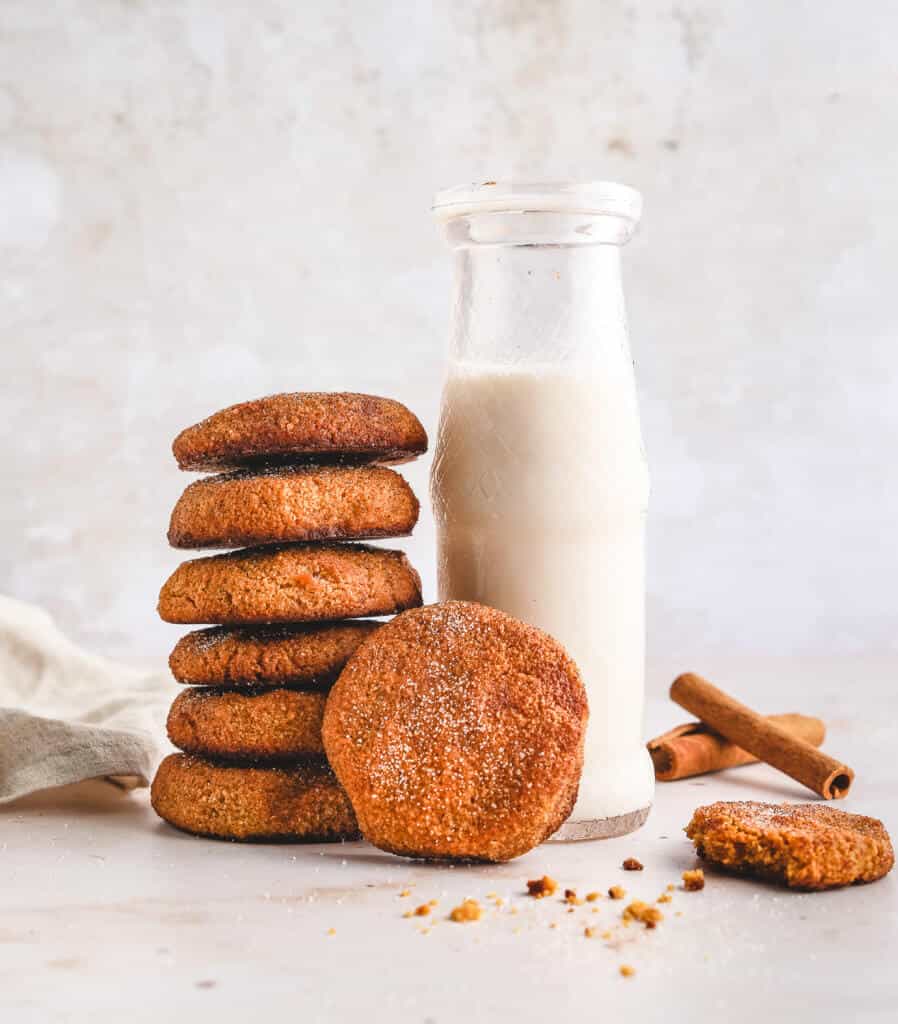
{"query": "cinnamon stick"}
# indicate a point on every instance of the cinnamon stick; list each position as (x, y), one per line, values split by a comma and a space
(767, 740)
(695, 749)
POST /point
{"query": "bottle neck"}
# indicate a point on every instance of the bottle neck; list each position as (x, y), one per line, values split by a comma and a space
(537, 304)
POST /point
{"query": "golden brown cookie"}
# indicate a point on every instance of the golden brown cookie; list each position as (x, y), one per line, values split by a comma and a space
(303, 802)
(803, 846)
(290, 583)
(458, 733)
(247, 725)
(301, 426)
(276, 505)
(309, 656)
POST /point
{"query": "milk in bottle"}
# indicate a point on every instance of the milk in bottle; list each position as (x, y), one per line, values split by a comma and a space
(539, 484)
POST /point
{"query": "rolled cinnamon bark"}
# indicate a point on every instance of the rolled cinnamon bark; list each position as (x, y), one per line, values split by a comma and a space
(695, 749)
(767, 740)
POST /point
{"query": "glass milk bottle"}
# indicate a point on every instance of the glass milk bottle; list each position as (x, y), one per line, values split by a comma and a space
(539, 483)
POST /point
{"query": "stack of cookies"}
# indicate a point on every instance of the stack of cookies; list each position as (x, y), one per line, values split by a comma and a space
(301, 479)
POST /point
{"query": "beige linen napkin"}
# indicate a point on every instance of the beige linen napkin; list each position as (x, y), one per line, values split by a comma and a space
(66, 715)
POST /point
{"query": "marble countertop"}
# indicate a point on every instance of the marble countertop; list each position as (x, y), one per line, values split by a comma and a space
(107, 913)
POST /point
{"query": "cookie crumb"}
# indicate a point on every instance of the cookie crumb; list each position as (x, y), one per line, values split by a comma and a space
(670, 887)
(642, 912)
(606, 935)
(617, 892)
(631, 864)
(405, 892)
(627, 971)
(694, 880)
(664, 898)
(589, 932)
(570, 896)
(467, 910)
(591, 897)
(423, 910)
(332, 931)
(539, 888)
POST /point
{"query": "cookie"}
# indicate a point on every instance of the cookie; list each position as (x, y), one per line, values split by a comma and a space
(802, 846)
(302, 426)
(297, 504)
(247, 725)
(302, 802)
(457, 732)
(290, 583)
(309, 656)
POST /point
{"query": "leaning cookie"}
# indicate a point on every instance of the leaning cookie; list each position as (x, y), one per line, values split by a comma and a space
(309, 656)
(247, 725)
(301, 803)
(290, 583)
(296, 504)
(457, 732)
(302, 426)
(802, 846)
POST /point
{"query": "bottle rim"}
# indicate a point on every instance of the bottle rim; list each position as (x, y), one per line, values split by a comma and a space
(585, 197)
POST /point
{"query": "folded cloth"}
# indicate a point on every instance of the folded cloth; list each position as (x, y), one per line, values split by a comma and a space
(66, 715)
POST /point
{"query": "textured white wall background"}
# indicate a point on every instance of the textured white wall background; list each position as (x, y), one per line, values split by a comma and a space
(205, 202)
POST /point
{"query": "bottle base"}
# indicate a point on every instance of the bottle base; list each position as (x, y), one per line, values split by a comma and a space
(601, 828)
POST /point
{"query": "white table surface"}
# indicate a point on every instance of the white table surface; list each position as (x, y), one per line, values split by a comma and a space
(108, 914)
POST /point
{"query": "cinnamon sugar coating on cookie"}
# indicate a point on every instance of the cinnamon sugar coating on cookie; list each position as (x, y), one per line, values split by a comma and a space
(458, 733)
(297, 504)
(290, 583)
(802, 846)
(301, 803)
(310, 656)
(302, 425)
(247, 725)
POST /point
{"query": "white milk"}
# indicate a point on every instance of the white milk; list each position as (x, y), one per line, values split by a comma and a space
(540, 489)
